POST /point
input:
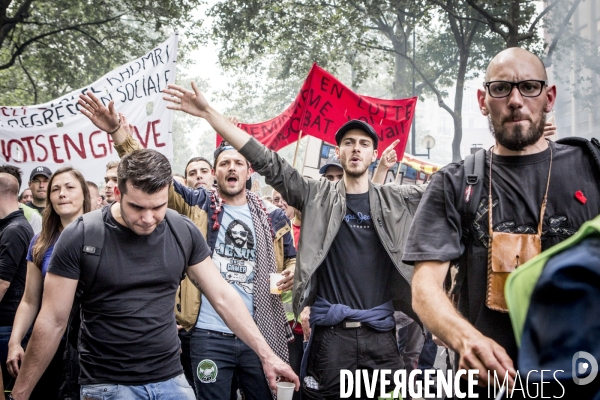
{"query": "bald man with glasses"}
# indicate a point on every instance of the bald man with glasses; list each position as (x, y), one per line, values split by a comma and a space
(528, 195)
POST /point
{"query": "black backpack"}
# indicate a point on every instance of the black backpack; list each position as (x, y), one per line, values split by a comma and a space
(93, 243)
(473, 185)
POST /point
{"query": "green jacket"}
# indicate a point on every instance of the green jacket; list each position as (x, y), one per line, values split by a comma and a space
(521, 282)
(323, 206)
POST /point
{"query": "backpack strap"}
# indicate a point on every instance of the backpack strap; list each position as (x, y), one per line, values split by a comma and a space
(474, 167)
(592, 146)
(181, 232)
(474, 171)
(91, 252)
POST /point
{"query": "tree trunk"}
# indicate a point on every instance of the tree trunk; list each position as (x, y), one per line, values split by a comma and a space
(513, 30)
(458, 102)
(399, 76)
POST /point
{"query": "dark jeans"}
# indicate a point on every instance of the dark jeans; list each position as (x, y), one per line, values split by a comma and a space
(428, 354)
(186, 361)
(336, 348)
(296, 350)
(410, 344)
(215, 359)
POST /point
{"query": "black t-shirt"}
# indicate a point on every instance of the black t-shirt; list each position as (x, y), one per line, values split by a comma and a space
(519, 183)
(39, 209)
(15, 235)
(357, 270)
(128, 331)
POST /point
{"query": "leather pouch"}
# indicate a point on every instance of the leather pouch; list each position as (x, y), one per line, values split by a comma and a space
(507, 252)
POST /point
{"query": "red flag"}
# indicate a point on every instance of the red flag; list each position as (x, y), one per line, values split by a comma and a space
(324, 104)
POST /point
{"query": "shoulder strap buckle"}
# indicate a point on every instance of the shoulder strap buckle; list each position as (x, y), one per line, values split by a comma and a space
(472, 179)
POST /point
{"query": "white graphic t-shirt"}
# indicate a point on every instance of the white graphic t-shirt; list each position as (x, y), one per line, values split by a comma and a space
(235, 256)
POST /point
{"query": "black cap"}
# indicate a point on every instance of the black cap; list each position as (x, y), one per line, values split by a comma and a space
(333, 161)
(45, 171)
(222, 147)
(357, 124)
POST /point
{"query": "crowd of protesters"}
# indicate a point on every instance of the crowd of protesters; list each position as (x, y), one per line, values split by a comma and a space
(158, 285)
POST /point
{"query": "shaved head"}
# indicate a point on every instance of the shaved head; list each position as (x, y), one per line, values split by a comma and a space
(517, 120)
(515, 55)
(9, 186)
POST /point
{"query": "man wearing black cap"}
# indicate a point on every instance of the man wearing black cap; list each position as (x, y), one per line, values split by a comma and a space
(332, 171)
(349, 268)
(38, 180)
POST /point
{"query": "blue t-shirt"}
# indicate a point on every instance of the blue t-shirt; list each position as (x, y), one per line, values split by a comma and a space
(47, 254)
(235, 256)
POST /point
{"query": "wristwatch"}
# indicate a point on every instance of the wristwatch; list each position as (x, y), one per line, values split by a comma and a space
(9, 397)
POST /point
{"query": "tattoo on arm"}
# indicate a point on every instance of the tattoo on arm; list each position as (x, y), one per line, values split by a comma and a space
(195, 283)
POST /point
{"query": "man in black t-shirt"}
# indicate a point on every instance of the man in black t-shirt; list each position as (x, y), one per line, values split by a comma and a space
(524, 167)
(38, 182)
(15, 235)
(349, 268)
(128, 345)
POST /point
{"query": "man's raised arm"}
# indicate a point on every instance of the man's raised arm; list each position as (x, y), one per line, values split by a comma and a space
(194, 103)
(277, 172)
(105, 118)
(181, 198)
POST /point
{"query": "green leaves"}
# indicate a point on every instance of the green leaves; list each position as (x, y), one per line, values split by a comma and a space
(55, 46)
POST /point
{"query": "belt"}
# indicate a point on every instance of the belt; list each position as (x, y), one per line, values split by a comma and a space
(217, 332)
(348, 324)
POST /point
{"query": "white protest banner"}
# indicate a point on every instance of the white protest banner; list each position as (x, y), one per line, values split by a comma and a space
(56, 134)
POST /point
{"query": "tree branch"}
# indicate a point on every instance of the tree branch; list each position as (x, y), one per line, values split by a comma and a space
(420, 86)
(9, 23)
(35, 90)
(21, 48)
(561, 30)
(492, 20)
(541, 15)
(429, 83)
(455, 15)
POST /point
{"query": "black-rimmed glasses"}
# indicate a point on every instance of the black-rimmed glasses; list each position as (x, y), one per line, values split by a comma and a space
(529, 88)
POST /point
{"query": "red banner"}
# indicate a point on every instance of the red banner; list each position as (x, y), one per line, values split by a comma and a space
(324, 104)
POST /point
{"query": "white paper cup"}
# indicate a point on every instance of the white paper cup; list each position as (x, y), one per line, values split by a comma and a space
(274, 278)
(285, 390)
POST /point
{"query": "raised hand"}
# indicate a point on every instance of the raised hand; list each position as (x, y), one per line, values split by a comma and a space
(389, 156)
(105, 118)
(129, 128)
(234, 120)
(189, 101)
(549, 129)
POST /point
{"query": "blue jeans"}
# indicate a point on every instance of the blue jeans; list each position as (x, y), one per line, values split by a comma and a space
(215, 359)
(173, 389)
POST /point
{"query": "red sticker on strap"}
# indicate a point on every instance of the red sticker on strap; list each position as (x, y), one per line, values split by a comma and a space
(580, 196)
(468, 193)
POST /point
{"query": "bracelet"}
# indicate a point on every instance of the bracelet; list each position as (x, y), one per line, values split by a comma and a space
(118, 127)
